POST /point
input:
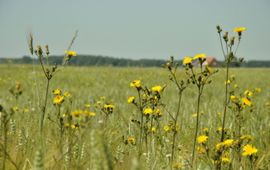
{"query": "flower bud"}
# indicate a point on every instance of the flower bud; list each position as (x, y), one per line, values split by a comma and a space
(219, 30)
(39, 51)
(232, 41)
(225, 36)
(47, 50)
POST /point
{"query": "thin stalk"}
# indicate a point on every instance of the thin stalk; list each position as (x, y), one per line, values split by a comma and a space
(141, 127)
(5, 142)
(197, 124)
(175, 123)
(221, 44)
(44, 108)
(237, 45)
(219, 165)
(225, 102)
(238, 136)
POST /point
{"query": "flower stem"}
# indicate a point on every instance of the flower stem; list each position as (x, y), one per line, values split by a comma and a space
(41, 121)
(141, 124)
(175, 124)
(197, 124)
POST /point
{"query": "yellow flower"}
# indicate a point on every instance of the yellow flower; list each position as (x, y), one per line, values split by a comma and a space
(246, 101)
(136, 84)
(202, 139)
(108, 106)
(153, 129)
(248, 93)
(57, 92)
(228, 82)
(233, 98)
(166, 128)
(58, 99)
(199, 56)
(70, 53)
(228, 142)
(67, 94)
(76, 113)
(158, 112)
(187, 60)
(148, 111)
(201, 150)
(240, 29)
(225, 159)
(131, 140)
(74, 126)
(88, 113)
(219, 146)
(249, 150)
(246, 137)
(258, 90)
(156, 89)
(131, 99)
(206, 130)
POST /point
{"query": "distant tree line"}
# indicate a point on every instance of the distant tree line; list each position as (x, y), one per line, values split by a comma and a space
(93, 60)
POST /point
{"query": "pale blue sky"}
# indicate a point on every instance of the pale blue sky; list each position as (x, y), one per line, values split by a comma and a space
(134, 29)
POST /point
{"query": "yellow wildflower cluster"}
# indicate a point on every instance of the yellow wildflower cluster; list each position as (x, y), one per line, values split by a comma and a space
(188, 60)
(225, 144)
(59, 97)
(79, 112)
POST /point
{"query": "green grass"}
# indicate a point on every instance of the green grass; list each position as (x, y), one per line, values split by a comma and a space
(101, 145)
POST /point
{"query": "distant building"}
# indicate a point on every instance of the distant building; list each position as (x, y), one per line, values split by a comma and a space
(211, 61)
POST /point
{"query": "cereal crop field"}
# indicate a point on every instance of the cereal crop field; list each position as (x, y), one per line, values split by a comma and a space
(134, 118)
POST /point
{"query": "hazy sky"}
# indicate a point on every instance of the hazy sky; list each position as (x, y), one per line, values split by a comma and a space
(134, 29)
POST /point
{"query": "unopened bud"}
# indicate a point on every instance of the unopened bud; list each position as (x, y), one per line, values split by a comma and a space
(219, 30)
(225, 36)
(47, 50)
(232, 41)
(30, 43)
(39, 51)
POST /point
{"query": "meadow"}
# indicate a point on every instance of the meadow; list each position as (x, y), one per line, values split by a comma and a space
(96, 127)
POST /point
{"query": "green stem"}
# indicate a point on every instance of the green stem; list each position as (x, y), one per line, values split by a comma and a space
(225, 102)
(141, 124)
(5, 142)
(44, 108)
(175, 124)
(197, 124)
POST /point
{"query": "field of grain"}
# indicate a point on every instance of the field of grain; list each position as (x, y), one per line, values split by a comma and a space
(95, 127)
